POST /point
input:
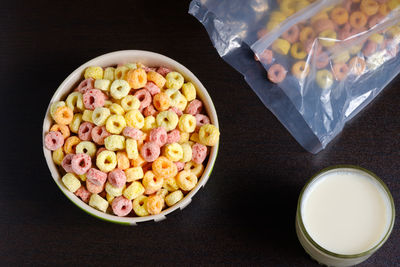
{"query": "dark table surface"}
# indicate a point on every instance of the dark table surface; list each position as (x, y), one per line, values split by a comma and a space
(244, 216)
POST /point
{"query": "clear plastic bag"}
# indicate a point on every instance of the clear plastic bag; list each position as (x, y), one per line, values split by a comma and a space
(328, 59)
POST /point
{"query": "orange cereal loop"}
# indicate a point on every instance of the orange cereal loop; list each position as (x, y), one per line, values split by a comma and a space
(138, 162)
(358, 20)
(340, 71)
(63, 129)
(357, 65)
(70, 144)
(163, 167)
(161, 101)
(339, 15)
(323, 25)
(137, 78)
(300, 69)
(306, 34)
(63, 115)
(384, 9)
(321, 15)
(122, 160)
(369, 7)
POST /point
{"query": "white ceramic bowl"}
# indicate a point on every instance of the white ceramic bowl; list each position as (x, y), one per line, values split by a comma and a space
(150, 59)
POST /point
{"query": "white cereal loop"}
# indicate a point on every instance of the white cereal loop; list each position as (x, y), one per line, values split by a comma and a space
(119, 89)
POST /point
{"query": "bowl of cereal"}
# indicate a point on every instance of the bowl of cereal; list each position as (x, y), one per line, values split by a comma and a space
(130, 136)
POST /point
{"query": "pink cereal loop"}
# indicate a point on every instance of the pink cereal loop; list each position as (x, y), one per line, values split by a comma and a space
(66, 163)
(152, 88)
(150, 152)
(292, 35)
(132, 133)
(121, 206)
(96, 177)
(173, 136)
(177, 111)
(194, 107)
(201, 120)
(149, 111)
(199, 153)
(53, 140)
(94, 189)
(148, 69)
(158, 136)
(163, 71)
(179, 165)
(85, 85)
(93, 98)
(83, 194)
(81, 163)
(99, 133)
(117, 178)
(144, 97)
(85, 131)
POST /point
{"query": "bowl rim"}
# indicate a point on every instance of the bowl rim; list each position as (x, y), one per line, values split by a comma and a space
(164, 61)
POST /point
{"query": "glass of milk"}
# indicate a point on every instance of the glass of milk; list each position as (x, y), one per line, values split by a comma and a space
(344, 214)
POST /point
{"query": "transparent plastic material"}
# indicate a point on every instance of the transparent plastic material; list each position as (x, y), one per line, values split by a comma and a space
(314, 66)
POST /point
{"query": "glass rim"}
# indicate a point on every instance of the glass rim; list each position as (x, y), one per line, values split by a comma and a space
(337, 255)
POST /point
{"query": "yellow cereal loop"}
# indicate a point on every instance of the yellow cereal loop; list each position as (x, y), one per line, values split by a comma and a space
(109, 198)
(186, 180)
(173, 198)
(114, 142)
(318, 16)
(152, 182)
(55, 106)
(137, 78)
(119, 89)
(187, 153)
(71, 182)
(130, 102)
(170, 184)
(187, 123)
(120, 73)
(116, 109)
(131, 148)
(288, 7)
(301, 4)
(178, 101)
(195, 138)
(393, 32)
(162, 192)
(115, 124)
(106, 161)
(189, 91)
(209, 135)
(277, 16)
(76, 122)
(114, 191)
(86, 147)
(139, 206)
(156, 78)
(109, 74)
(102, 84)
(138, 162)
(298, 51)
(70, 144)
(167, 119)
(324, 79)
(280, 46)
(100, 116)
(75, 101)
(353, 50)
(58, 156)
(272, 25)
(134, 190)
(341, 57)
(87, 115)
(376, 38)
(393, 4)
(327, 38)
(134, 119)
(196, 169)
(98, 202)
(184, 137)
(173, 152)
(149, 123)
(123, 162)
(134, 173)
(174, 80)
(94, 72)
(82, 177)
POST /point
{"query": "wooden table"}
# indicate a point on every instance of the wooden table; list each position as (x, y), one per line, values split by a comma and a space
(244, 216)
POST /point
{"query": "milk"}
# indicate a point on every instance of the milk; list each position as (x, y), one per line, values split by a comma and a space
(345, 213)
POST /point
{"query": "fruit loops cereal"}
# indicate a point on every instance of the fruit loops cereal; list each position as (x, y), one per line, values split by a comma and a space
(130, 140)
